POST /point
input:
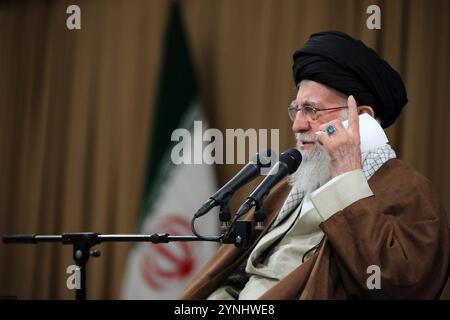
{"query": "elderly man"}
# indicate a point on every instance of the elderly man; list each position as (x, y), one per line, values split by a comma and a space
(353, 221)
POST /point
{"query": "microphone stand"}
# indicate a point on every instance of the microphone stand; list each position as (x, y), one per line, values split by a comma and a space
(82, 243)
(238, 233)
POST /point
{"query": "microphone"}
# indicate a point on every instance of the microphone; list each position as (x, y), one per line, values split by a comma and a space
(249, 172)
(288, 164)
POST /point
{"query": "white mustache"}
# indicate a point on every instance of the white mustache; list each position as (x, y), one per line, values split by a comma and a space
(305, 137)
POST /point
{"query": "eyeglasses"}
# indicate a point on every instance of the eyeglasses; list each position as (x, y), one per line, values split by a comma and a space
(309, 111)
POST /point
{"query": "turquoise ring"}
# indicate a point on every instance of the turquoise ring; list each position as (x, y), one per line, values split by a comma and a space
(330, 130)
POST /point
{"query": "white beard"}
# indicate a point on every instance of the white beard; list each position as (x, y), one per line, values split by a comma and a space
(313, 170)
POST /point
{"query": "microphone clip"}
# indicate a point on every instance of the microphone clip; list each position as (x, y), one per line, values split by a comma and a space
(224, 216)
(259, 216)
(240, 234)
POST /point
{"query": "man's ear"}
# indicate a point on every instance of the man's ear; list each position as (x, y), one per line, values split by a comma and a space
(366, 109)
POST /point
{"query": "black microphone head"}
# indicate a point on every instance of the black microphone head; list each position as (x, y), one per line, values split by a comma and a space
(292, 158)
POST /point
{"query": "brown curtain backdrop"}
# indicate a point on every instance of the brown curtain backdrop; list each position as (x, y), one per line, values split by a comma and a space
(76, 108)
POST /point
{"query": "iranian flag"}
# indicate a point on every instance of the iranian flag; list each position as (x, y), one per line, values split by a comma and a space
(173, 192)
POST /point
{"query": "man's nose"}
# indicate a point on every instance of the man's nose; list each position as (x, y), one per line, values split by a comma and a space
(301, 123)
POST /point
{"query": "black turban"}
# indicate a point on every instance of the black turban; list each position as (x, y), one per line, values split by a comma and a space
(347, 65)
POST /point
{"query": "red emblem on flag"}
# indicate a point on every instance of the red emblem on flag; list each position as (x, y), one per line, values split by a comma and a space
(165, 263)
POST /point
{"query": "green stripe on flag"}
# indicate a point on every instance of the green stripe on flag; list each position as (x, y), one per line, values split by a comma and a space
(176, 95)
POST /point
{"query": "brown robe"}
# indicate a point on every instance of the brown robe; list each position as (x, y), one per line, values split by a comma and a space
(402, 228)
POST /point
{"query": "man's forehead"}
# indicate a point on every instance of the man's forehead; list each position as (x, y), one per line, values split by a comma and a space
(307, 95)
(311, 92)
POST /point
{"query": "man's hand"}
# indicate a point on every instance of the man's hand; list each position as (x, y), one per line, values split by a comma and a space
(343, 146)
